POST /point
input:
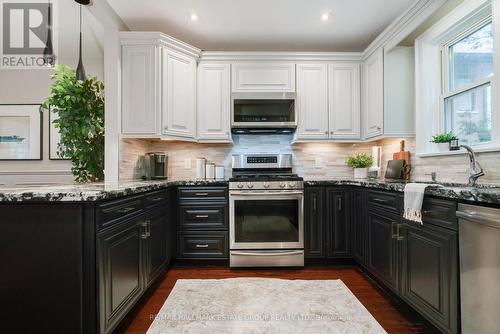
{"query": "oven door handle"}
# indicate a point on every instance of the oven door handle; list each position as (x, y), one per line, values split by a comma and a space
(266, 192)
(267, 254)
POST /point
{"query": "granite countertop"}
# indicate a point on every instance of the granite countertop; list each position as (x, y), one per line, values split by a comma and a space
(489, 194)
(92, 191)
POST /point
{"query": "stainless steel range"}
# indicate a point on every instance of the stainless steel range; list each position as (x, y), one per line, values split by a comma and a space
(266, 203)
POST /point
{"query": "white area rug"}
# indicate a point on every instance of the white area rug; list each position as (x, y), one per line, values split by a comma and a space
(262, 306)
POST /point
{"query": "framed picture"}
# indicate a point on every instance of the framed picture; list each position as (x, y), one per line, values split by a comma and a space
(54, 138)
(21, 132)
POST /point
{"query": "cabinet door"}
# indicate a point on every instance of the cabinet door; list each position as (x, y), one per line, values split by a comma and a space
(263, 77)
(120, 272)
(155, 245)
(178, 94)
(214, 103)
(429, 273)
(314, 231)
(382, 247)
(344, 101)
(358, 226)
(140, 100)
(373, 95)
(312, 101)
(337, 223)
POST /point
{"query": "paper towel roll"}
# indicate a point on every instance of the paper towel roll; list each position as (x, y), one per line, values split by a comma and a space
(200, 168)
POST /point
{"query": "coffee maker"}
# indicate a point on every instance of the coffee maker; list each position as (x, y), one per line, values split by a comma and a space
(156, 165)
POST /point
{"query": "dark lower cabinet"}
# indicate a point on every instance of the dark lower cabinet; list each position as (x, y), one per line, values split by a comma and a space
(155, 245)
(121, 275)
(430, 274)
(338, 223)
(314, 223)
(358, 226)
(382, 247)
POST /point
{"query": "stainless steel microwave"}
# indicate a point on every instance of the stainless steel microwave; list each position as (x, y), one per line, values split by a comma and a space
(263, 110)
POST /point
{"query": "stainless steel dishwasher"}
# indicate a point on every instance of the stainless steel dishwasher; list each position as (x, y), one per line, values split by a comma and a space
(479, 244)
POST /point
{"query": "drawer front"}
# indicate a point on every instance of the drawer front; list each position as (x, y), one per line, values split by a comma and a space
(440, 212)
(200, 193)
(155, 199)
(202, 217)
(385, 200)
(113, 212)
(203, 246)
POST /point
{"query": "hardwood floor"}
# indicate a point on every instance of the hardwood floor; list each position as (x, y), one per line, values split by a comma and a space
(394, 316)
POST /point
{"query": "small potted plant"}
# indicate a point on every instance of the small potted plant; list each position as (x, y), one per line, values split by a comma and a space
(442, 140)
(360, 162)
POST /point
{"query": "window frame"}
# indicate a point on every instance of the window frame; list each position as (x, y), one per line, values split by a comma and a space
(446, 68)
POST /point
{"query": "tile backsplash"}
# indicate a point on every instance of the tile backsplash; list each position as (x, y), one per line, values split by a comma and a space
(311, 160)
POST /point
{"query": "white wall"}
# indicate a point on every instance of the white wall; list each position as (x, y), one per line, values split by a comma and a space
(31, 86)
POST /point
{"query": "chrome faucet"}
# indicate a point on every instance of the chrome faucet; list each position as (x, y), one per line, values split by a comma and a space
(475, 169)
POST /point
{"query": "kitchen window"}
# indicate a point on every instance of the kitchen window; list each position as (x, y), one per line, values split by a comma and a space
(468, 72)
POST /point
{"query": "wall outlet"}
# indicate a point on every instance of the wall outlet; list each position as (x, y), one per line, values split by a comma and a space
(318, 162)
(187, 163)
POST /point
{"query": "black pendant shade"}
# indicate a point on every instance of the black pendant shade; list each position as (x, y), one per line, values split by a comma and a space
(80, 70)
(48, 53)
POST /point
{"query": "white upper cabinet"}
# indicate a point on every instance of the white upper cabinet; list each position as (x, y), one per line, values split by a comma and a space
(178, 94)
(214, 102)
(312, 101)
(344, 100)
(139, 94)
(373, 95)
(263, 77)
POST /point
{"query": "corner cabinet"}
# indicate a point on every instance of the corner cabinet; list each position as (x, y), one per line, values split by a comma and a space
(373, 95)
(214, 102)
(158, 87)
(312, 101)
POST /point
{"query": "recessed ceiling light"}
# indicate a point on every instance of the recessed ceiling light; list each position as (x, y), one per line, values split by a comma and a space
(194, 17)
(325, 16)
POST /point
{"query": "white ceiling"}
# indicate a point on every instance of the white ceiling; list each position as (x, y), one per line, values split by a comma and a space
(264, 25)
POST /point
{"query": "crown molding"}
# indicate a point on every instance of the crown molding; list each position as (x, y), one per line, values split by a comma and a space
(207, 56)
(406, 22)
(158, 38)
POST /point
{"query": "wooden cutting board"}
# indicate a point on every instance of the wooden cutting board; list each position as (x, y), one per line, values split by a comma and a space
(403, 155)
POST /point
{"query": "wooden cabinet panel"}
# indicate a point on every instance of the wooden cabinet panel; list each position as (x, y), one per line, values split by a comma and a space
(214, 102)
(178, 94)
(312, 101)
(373, 95)
(344, 101)
(314, 223)
(359, 229)
(382, 247)
(338, 223)
(155, 245)
(429, 273)
(263, 77)
(140, 101)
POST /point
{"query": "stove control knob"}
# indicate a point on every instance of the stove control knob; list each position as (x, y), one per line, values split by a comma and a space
(266, 185)
(291, 185)
(240, 185)
(282, 184)
(250, 185)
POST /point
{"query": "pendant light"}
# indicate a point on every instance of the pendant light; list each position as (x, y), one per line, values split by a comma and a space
(49, 58)
(80, 70)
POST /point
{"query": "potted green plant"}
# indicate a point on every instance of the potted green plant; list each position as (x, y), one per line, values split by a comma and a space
(442, 140)
(79, 106)
(360, 162)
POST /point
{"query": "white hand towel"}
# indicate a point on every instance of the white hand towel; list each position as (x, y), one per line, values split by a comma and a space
(414, 197)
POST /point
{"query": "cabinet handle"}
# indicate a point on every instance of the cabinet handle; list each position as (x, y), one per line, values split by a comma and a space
(400, 237)
(394, 234)
(125, 210)
(145, 233)
(382, 201)
(156, 199)
(331, 132)
(339, 202)
(201, 194)
(202, 246)
(314, 204)
(201, 216)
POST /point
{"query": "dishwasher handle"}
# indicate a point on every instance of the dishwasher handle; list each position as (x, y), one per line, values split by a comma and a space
(480, 218)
